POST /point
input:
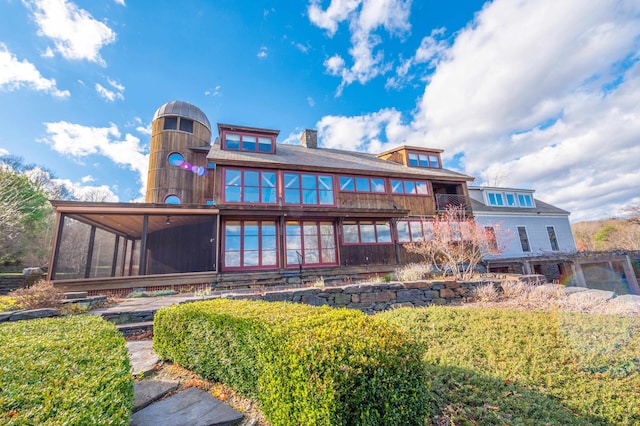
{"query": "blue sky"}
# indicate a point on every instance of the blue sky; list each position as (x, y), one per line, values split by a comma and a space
(531, 93)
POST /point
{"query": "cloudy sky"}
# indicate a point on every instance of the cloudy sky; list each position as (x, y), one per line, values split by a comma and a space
(541, 94)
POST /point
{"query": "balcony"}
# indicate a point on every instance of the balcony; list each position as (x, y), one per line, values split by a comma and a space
(455, 200)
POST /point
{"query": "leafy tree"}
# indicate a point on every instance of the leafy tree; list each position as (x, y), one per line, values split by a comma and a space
(457, 243)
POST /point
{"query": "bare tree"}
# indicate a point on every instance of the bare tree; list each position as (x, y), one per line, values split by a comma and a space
(457, 243)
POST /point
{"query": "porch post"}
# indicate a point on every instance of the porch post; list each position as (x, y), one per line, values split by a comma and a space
(142, 269)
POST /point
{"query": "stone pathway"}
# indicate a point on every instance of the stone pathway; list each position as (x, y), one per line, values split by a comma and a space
(190, 407)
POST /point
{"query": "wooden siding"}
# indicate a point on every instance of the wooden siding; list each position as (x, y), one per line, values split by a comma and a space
(367, 254)
(417, 205)
(165, 179)
(396, 157)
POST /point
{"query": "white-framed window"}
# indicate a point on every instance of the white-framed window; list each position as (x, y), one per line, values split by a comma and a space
(524, 239)
(509, 199)
(553, 238)
(495, 199)
(525, 200)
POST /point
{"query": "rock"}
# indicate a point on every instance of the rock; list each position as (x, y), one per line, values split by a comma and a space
(34, 313)
(193, 407)
(447, 293)
(592, 296)
(410, 295)
(143, 358)
(27, 272)
(146, 392)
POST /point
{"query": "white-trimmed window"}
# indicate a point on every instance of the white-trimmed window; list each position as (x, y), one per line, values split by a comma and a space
(524, 239)
(553, 238)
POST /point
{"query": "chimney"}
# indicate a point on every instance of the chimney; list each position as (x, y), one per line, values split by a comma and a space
(309, 139)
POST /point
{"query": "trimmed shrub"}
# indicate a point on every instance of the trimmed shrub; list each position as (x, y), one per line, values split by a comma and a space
(498, 366)
(42, 294)
(304, 365)
(70, 370)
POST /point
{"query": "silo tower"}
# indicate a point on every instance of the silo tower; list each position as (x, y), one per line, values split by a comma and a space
(180, 137)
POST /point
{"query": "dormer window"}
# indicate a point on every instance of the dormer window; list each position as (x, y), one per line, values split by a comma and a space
(424, 159)
(248, 143)
(178, 123)
(509, 199)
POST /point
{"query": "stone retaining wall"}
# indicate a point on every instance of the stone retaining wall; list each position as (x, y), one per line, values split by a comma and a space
(8, 283)
(374, 297)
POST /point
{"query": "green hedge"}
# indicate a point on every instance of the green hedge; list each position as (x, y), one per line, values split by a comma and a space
(71, 370)
(305, 365)
(498, 366)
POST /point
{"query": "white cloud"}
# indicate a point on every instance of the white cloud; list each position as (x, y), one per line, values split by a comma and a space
(81, 141)
(365, 18)
(311, 101)
(87, 179)
(119, 87)
(214, 92)
(75, 33)
(48, 53)
(551, 103)
(304, 48)
(145, 130)
(107, 94)
(88, 193)
(263, 52)
(15, 74)
(120, 2)
(3, 152)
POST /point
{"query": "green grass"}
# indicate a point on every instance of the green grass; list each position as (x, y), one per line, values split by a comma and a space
(64, 371)
(494, 366)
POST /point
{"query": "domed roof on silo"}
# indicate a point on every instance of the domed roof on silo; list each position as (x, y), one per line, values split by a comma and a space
(183, 109)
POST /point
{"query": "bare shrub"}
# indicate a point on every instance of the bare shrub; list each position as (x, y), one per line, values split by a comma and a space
(40, 295)
(514, 290)
(413, 272)
(486, 293)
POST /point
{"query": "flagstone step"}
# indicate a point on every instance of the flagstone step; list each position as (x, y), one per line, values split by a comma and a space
(192, 406)
(146, 392)
(143, 358)
(134, 329)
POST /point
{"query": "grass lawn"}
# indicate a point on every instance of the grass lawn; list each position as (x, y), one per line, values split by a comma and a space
(497, 366)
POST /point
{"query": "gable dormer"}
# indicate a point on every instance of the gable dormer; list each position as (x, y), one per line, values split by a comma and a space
(414, 156)
(247, 139)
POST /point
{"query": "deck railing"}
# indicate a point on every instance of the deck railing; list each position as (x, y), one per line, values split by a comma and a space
(455, 200)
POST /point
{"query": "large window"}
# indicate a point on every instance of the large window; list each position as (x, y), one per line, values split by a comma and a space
(495, 199)
(248, 142)
(250, 244)
(410, 231)
(524, 239)
(310, 243)
(409, 187)
(308, 189)
(525, 200)
(509, 199)
(366, 232)
(362, 184)
(249, 186)
(553, 238)
(431, 160)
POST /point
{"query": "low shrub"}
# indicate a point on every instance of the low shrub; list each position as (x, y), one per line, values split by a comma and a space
(157, 293)
(413, 272)
(40, 295)
(69, 370)
(8, 304)
(303, 364)
(498, 366)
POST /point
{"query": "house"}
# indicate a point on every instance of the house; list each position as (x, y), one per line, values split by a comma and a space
(246, 203)
(531, 232)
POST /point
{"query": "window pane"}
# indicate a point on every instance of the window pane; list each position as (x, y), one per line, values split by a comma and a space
(409, 187)
(309, 196)
(175, 159)
(251, 258)
(251, 194)
(172, 199)
(310, 229)
(325, 182)
(294, 242)
(403, 232)
(346, 183)
(434, 161)
(293, 228)
(328, 256)
(350, 233)
(186, 125)
(251, 228)
(292, 196)
(232, 258)
(424, 160)
(377, 185)
(170, 123)
(367, 233)
(232, 194)
(524, 239)
(396, 186)
(269, 179)
(362, 184)
(421, 188)
(251, 178)
(269, 257)
(232, 141)
(232, 177)
(511, 200)
(384, 232)
(413, 160)
(268, 195)
(291, 180)
(249, 143)
(268, 228)
(269, 242)
(232, 228)
(311, 256)
(416, 231)
(326, 197)
(309, 182)
(265, 145)
(292, 257)
(553, 240)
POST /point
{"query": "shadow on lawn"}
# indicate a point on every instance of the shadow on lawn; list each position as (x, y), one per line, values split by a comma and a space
(461, 396)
